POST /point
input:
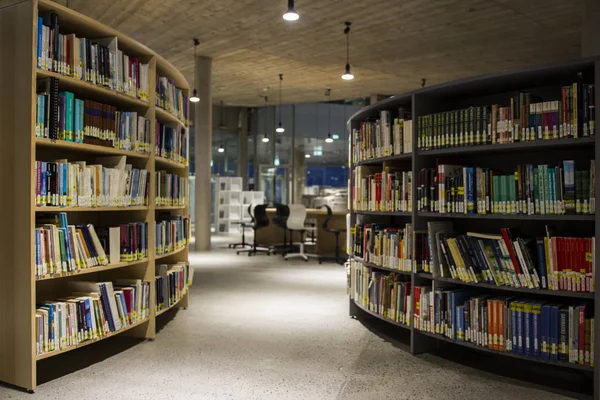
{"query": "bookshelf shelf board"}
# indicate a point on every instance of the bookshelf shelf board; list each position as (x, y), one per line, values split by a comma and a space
(557, 293)
(158, 256)
(547, 217)
(90, 209)
(161, 208)
(381, 160)
(511, 147)
(86, 343)
(163, 116)
(513, 355)
(164, 310)
(164, 162)
(368, 264)
(91, 270)
(99, 93)
(374, 314)
(389, 213)
(86, 148)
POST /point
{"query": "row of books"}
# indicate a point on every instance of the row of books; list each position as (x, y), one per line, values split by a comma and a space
(98, 61)
(171, 98)
(62, 248)
(171, 282)
(526, 118)
(93, 311)
(172, 143)
(384, 293)
(61, 116)
(529, 190)
(389, 247)
(534, 328)
(509, 258)
(172, 234)
(76, 184)
(382, 137)
(387, 190)
(171, 189)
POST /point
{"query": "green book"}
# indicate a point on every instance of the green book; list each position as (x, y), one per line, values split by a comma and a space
(512, 193)
(63, 253)
(536, 190)
(578, 192)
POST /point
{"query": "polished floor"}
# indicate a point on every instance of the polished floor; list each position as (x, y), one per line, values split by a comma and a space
(263, 328)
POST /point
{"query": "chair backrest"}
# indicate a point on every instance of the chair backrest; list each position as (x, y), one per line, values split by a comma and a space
(251, 211)
(260, 216)
(328, 218)
(282, 213)
(297, 217)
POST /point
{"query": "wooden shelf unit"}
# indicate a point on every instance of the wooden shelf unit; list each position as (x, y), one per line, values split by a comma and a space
(490, 89)
(20, 150)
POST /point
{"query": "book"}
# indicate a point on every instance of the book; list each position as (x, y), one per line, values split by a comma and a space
(172, 233)
(171, 98)
(172, 143)
(171, 189)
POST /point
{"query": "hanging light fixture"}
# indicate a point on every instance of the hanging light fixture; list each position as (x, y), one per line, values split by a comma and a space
(307, 156)
(221, 149)
(280, 128)
(347, 75)
(329, 139)
(291, 14)
(265, 138)
(194, 98)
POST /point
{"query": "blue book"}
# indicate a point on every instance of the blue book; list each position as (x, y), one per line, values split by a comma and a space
(40, 35)
(43, 191)
(88, 319)
(456, 297)
(569, 186)
(536, 329)
(65, 185)
(470, 190)
(106, 306)
(545, 331)
(528, 328)
(554, 332)
(520, 345)
(62, 220)
(542, 262)
(460, 322)
(38, 258)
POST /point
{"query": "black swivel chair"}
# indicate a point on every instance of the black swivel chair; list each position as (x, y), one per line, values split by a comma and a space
(336, 231)
(244, 225)
(282, 212)
(260, 220)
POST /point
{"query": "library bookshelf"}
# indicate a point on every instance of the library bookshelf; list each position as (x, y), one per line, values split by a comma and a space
(20, 289)
(483, 91)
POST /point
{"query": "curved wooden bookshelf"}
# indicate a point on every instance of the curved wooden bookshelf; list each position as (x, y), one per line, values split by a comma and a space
(164, 310)
(159, 256)
(368, 264)
(381, 160)
(91, 270)
(88, 342)
(19, 288)
(161, 208)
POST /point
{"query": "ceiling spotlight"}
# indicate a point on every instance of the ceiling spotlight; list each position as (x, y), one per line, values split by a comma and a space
(329, 139)
(265, 139)
(347, 75)
(195, 98)
(280, 128)
(221, 149)
(291, 14)
(307, 156)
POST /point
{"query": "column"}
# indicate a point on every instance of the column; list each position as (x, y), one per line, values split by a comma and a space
(203, 152)
(299, 173)
(590, 29)
(242, 147)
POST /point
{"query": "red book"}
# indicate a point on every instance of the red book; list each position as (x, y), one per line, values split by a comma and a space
(511, 251)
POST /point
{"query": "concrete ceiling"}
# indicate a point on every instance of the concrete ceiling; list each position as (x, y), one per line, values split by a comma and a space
(394, 44)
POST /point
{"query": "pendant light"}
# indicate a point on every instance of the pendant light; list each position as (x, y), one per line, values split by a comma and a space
(280, 128)
(291, 14)
(265, 138)
(347, 75)
(329, 138)
(221, 149)
(195, 98)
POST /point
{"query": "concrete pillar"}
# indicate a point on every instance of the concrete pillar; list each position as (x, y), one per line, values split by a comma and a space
(203, 152)
(242, 147)
(299, 172)
(590, 29)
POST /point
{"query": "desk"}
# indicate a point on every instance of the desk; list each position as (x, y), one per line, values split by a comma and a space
(273, 234)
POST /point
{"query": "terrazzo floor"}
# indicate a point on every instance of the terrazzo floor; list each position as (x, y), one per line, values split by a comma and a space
(263, 328)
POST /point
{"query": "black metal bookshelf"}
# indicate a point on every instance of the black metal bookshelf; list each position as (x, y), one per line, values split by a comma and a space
(495, 88)
(381, 317)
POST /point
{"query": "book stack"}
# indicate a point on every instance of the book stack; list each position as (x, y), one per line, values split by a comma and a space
(387, 190)
(65, 184)
(62, 116)
(526, 118)
(171, 282)
(388, 247)
(98, 61)
(528, 327)
(384, 293)
(172, 234)
(61, 248)
(171, 98)
(171, 189)
(383, 137)
(172, 143)
(528, 190)
(94, 311)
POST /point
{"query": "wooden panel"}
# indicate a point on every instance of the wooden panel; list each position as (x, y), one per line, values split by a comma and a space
(16, 203)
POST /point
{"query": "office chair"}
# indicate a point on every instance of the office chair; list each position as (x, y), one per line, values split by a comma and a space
(244, 225)
(336, 231)
(282, 213)
(295, 223)
(261, 220)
